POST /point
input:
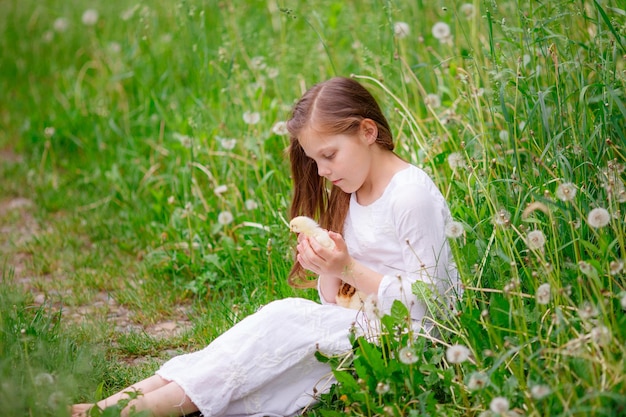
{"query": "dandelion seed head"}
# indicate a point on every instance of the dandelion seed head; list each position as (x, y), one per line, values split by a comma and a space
(90, 17)
(540, 391)
(272, 72)
(280, 128)
(623, 301)
(171, 200)
(43, 378)
(382, 388)
(456, 160)
(454, 229)
(251, 204)
(615, 267)
(225, 217)
(535, 240)
(432, 100)
(60, 24)
(407, 356)
(543, 294)
(477, 381)
(566, 191)
(467, 10)
(401, 30)
(502, 218)
(227, 143)
(499, 405)
(587, 311)
(441, 31)
(504, 135)
(49, 131)
(370, 307)
(457, 354)
(251, 118)
(598, 217)
(220, 189)
(56, 400)
(258, 63)
(586, 268)
(601, 335)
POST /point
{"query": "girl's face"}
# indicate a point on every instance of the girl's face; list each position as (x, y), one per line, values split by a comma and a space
(343, 159)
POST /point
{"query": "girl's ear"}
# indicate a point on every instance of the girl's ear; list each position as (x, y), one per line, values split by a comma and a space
(369, 130)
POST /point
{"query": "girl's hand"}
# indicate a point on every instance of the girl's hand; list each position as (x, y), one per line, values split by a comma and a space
(323, 261)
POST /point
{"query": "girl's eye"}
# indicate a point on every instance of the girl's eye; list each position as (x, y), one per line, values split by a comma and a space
(329, 156)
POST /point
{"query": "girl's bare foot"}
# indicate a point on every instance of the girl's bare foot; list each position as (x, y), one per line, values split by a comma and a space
(81, 410)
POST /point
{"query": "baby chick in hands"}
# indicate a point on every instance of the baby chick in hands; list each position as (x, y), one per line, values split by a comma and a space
(348, 296)
(310, 228)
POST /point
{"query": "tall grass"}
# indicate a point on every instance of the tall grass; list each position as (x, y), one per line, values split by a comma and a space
(154, 130)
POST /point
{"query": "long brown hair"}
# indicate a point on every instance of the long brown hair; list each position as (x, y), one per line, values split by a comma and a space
(335, 106)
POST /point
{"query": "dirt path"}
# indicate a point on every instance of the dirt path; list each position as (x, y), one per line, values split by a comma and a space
(18, 230)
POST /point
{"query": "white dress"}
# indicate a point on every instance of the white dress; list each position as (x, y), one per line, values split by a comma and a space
(265, 365)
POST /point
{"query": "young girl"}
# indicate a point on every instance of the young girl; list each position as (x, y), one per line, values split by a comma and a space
(388, 220)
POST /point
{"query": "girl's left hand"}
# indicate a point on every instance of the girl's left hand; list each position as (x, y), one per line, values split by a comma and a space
(323, 261)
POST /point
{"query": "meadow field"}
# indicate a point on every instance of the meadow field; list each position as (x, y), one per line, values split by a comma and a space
(144, 192)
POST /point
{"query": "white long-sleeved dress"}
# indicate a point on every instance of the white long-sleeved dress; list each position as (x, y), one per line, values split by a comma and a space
(265, 365)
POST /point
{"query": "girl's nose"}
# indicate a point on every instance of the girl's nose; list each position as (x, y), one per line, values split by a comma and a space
(322, 170)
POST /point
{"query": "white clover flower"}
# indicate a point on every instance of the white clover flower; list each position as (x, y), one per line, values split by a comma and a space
(401, 30)
(382, 388)
(90, 17)
(502, 218)
(407, 356)
(43, 378)
(601, 335)
(566, 191)
(543, 294)
(220, 189)
(586, 268)
(280, 128)
(251, 204)
(615, 267)
(535, 240)
(540, 391)
(454, 229)
(499, 405)
(467, 9)
(478, 380)
(456, 160)
(432, 100)
(225, 217)
(251, 118)
(598, 217)
(441, 31)
(457, 354)
(228, 144)
(60, 24)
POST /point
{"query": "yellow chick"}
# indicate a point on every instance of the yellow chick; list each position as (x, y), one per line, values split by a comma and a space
(310, 228)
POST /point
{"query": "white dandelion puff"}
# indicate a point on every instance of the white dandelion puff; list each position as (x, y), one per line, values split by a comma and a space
(225, 217)
(90, 17)
(601, 335)
(622, 301)
(467, 10)
(615, 267)
(457, 354)
(401, 30)
(540, 391)
(60, 24)
(499, 405)
(566, 191)
(503, 135)
(502, 218)
(456, 160)
(44, 378)
(407, 356)
(272, 72)
(598, 217)
(587, 311)
(251, 118)
(251, 204)
(454, 229)
(441, 31)
(280, 128)
(370, 307)
(478, 380)
(228, 144)
(220, 189)
(382, 388)
(543, 294)
(586, 268)
(432, 100)
(535, 240)
(49, 131)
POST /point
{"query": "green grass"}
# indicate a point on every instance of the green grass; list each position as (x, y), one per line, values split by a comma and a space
(120, 134)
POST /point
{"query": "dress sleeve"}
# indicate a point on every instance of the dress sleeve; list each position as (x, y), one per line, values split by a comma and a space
(418, 217)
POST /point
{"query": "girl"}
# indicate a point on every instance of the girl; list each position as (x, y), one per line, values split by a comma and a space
(388, 220)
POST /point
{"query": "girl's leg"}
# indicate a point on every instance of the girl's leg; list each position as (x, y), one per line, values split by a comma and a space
(167, 401)
(145, 386)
